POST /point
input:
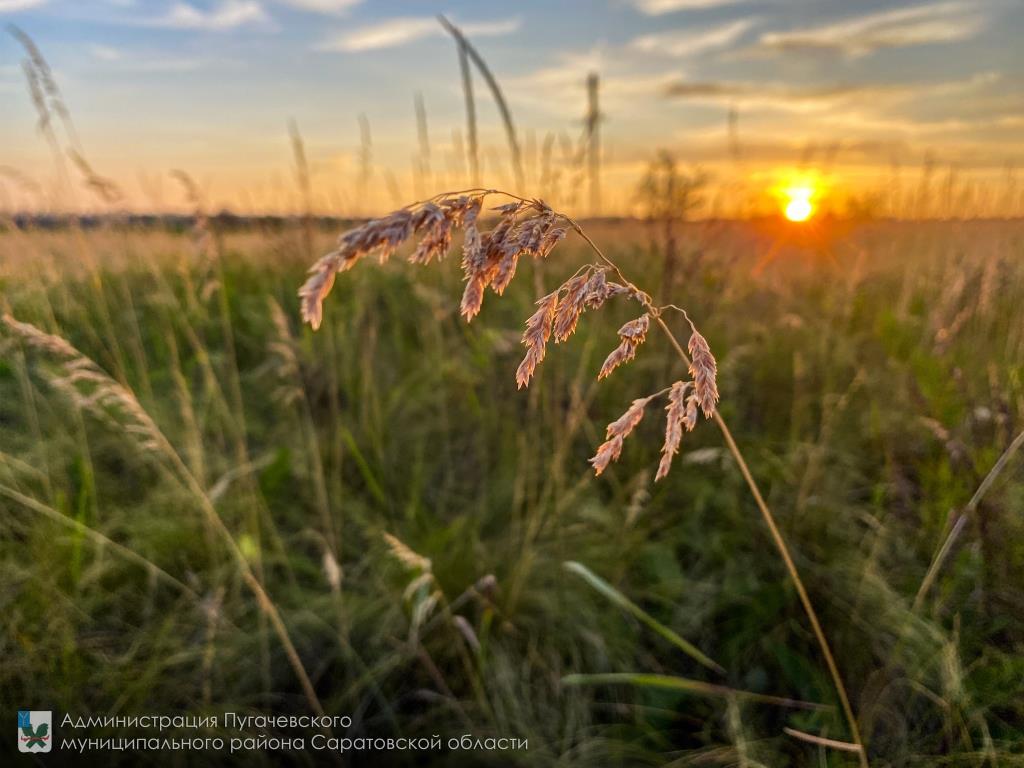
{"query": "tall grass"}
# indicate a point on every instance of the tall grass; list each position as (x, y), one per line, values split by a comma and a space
(206, 507)
(852, 402)
(530, 229)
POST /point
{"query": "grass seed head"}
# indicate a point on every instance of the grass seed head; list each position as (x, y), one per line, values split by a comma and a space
(675, 416)
(535, 337)
(405, 555)
(571, 306)
(616, 433)
(631, 336)
(704, 370)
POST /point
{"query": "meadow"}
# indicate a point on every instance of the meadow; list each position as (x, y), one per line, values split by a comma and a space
(434, 540)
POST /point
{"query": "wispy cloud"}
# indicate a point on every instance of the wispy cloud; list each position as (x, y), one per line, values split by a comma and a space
(941, 22)
(400, 31)
(558, 88)
(659, 7)
(771, 94)
(685, 44)
(819, 98)
(9, 6)
(105, 53)
(226, 15)
(570, 68)
(133, 61)
(322, 6)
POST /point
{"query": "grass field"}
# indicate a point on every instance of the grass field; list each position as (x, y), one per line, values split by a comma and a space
(872, 384)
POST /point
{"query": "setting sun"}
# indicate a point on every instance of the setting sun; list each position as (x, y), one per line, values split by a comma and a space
(798, 203)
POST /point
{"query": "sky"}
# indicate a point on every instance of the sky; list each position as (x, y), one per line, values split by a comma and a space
(870, 99)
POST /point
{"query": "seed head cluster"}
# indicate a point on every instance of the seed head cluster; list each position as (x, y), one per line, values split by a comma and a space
(525, 228)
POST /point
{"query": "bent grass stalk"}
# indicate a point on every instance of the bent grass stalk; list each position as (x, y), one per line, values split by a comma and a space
(773, 527)
(468, 52)
(972, 506)
(90, 388)
(528, 227)
(131, 555)
(639, 613)
(685, 684)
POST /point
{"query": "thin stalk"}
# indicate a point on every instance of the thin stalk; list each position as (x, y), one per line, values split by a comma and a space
(499, 98)
(821, 741)
(262, 598)
(972, 506)
(103, 541)
(181, 472)
(769, 518)
(471, 140)
(766, 513)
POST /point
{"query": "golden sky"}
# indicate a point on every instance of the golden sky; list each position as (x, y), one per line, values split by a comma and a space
(916, 108)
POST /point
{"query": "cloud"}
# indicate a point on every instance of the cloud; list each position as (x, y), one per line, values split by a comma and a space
(10, 6)
(659, 7)
(128, 61)
(683, 44)
(821, 98)
(558, 88)
(399, 31)
(165, 66)
(322, 6)
(227, 15)
(941, 22)
(105, 53)
(771, 94)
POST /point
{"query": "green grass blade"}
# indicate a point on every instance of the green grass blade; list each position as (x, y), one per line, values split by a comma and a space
(84, 531)
(698, 687)
(628, 605)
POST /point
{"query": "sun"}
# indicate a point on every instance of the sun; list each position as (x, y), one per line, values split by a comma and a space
(798, 203)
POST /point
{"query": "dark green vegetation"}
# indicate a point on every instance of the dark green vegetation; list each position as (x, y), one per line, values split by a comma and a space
(871, 395)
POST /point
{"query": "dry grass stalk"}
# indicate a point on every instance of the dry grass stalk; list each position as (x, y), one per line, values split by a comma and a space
(105, 189)
(701, 362)
(89, 387)
(468, 53)
(525, 228)
(40, 340)
(43, 86)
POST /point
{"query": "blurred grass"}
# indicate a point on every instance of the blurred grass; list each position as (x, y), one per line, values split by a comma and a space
(871, 393)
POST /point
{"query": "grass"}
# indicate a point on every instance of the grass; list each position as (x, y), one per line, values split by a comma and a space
(872, 395)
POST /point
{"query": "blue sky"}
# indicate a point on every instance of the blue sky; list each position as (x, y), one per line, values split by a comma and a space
(868, 87)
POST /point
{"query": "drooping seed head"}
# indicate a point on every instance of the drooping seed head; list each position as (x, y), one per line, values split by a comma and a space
(690, 419)
(704, 371)
(631, 336)
(616, 433)
(535, 337)
(675, 414)
(571, 306)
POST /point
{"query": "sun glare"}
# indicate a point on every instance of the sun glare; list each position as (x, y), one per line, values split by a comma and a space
(798, 203)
